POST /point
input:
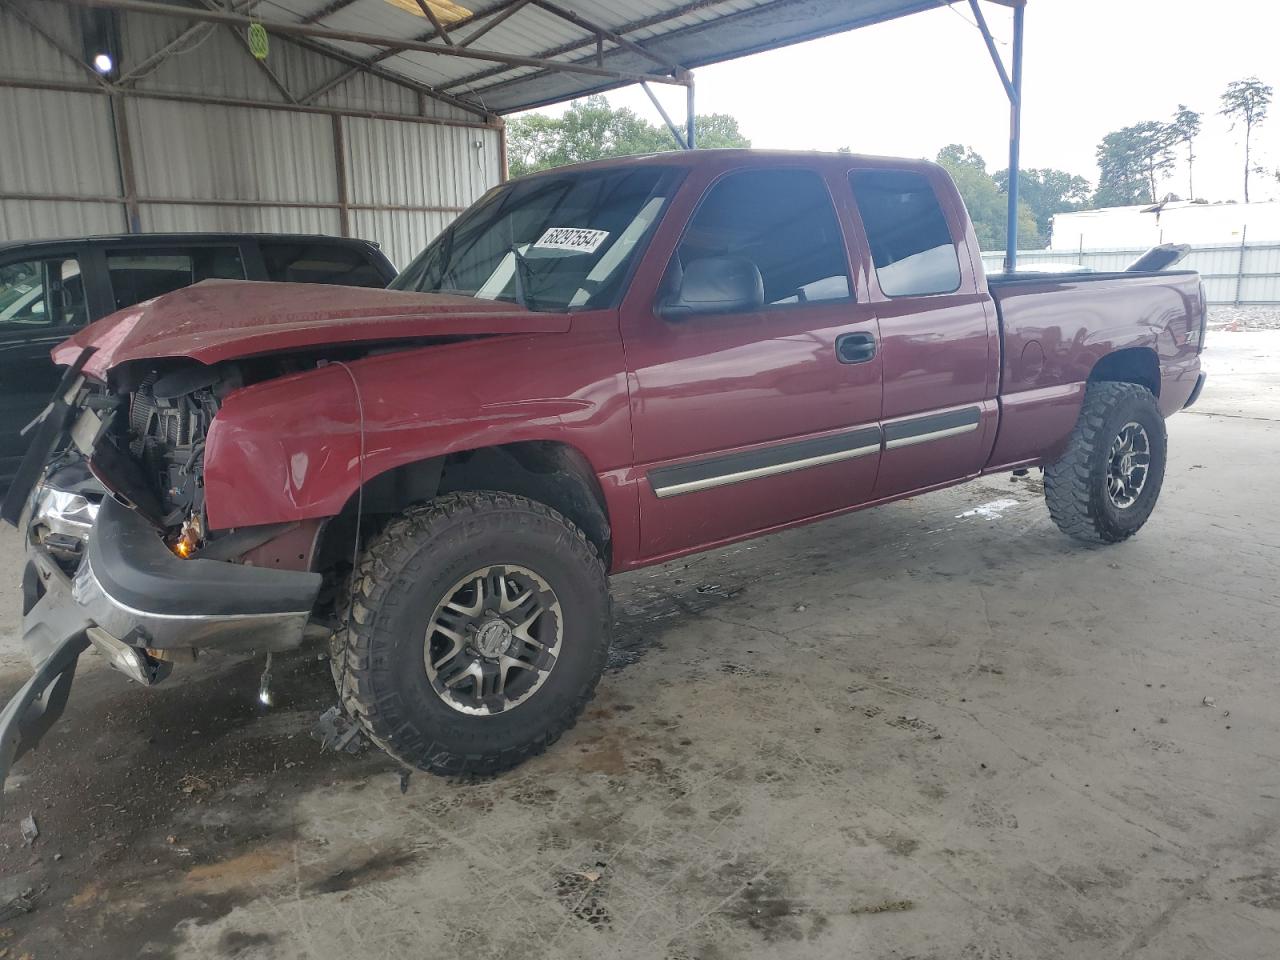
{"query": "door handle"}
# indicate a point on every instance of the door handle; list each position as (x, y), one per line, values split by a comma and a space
(855, 347)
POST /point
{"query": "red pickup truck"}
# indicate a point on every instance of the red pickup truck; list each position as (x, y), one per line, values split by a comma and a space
(594, 369)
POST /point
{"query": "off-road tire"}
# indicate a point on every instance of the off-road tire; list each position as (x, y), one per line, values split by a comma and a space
(1075, 487)
(404, 573)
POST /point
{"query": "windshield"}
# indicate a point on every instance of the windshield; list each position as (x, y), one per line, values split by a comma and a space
(549, 243)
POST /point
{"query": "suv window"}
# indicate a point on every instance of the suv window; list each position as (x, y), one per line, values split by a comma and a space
(38, 294)
(138, 275)
(320, 263)
(784, 223)
(911, 244)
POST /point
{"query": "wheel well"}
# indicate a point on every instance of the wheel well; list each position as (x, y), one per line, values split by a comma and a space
(1138, 365)
(555, 474)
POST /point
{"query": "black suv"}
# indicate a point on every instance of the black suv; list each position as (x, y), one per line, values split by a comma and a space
(50, 288)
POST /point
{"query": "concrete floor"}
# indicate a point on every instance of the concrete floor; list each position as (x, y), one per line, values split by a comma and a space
(921, 731)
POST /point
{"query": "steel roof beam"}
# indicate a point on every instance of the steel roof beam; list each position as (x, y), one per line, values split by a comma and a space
(991, 49)
(666, 118)
(397, 44)
(435, 21)
(1013, 88)
(502, 16)
(650, 21)
(135, 93)
(605, 32)
(360, 65)
(327, 11)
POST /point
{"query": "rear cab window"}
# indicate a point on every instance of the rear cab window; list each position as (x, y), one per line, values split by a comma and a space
(911, 245)
(320, 263)
(782, 222)
(40, 294)
(138, 274)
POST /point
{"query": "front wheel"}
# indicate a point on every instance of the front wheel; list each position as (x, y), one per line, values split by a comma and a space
(1106, 483)
(479, 629)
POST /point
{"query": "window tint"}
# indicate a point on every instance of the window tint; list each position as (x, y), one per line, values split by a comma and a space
(138, 275)
(780, 220)
(911, 245)
(320, 263)
(38, 294)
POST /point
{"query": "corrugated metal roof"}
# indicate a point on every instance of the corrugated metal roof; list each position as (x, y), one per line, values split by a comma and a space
(688, 33)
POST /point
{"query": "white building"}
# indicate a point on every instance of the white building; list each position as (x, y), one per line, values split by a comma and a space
(1178, 221)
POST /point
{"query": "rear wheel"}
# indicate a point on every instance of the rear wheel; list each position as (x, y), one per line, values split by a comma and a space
(479, 629)
(1106, 483)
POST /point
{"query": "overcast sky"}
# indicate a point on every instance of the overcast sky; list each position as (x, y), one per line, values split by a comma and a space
(908, 87)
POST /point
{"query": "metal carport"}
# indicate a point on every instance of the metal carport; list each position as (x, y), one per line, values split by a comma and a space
(472, 64)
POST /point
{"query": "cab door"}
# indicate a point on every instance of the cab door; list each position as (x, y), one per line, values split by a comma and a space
(939, 338)
(751, 414)
(42, 302)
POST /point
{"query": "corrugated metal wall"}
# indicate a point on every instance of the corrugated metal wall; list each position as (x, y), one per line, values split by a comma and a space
(408, 181)
(1234, 273)
(223, 166)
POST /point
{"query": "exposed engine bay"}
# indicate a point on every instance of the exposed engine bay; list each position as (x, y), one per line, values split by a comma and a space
(143, 440)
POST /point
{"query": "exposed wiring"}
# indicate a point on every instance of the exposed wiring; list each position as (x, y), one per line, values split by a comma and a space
(355, 549)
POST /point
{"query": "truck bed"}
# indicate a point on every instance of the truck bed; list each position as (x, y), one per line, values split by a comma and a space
(1057, 328)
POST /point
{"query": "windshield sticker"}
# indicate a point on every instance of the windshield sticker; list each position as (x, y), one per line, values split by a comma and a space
(577, 239)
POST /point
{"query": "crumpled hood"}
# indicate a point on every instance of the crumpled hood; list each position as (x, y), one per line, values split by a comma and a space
(223, 319)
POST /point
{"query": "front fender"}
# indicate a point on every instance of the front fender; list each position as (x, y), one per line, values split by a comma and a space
(290, 449)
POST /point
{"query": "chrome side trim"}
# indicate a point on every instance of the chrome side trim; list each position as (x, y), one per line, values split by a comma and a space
(931, 435)
(769, 471)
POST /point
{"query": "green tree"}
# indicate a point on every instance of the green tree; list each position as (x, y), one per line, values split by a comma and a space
(1132, 161)
(714, 131)
(1184, 129)
(1046, 192)
(593, 130)
(988, 208)
(1246, 101)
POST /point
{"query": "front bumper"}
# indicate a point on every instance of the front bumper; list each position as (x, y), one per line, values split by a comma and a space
(130, 591)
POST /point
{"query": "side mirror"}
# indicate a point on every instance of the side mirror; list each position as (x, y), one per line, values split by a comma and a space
(716, 285)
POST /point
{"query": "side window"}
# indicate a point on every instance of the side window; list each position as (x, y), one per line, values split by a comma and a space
(138, 275)
(911, 245)
(38, 294)
(320, 263)
(782, 223)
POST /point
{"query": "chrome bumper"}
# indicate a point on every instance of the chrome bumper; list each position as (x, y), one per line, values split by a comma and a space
(130, 595)
(66, 604)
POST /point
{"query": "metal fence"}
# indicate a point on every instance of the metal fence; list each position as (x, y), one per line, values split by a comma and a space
(1233, 273)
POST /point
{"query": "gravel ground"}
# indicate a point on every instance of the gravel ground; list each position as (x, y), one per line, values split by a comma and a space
(1233, 319)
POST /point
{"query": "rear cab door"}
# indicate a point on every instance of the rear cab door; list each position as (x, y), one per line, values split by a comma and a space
(940, 345)
(760, 416)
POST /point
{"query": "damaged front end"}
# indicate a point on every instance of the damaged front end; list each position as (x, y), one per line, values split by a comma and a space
(124, 560)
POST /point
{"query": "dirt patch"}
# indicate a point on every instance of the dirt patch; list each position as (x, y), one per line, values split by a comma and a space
(899, 845)
(234, 943)
(163, 805)
(765, 906)
(885, 906)
(256, 866)
(378, 866)
(602, 756)
(583, 894)
(1260, 889)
